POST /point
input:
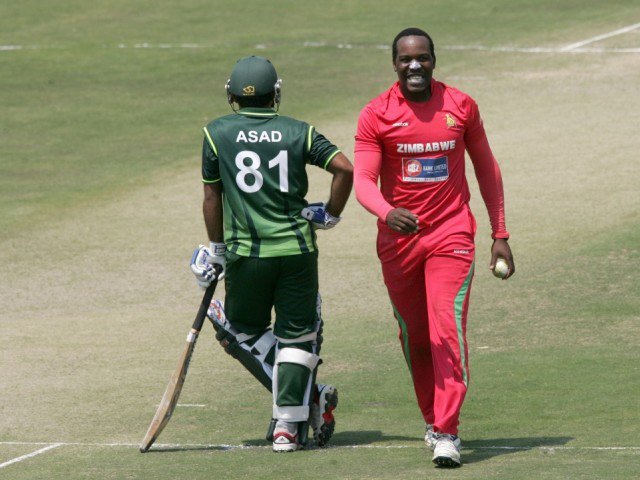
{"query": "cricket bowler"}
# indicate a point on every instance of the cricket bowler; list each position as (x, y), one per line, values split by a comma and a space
(413, 138)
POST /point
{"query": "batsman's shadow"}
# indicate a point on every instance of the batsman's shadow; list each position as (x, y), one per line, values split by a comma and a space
(475, 451)
(194, 448)
(340, 439)
(349, 438)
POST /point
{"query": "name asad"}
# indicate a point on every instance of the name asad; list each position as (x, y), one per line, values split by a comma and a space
(253, 136)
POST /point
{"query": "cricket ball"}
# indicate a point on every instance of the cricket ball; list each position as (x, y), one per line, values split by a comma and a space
(501, 268)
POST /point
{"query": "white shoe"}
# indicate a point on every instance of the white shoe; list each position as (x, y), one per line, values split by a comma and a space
(446, 452)
(430, 438)
(285, 437)
(321, 419)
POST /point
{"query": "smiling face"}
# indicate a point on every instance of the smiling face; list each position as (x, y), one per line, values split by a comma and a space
(414, 65)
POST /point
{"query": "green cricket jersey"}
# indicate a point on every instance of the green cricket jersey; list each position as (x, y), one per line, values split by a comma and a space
(260, 158)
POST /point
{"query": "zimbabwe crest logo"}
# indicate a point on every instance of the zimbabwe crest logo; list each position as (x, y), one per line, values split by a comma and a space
(451, 122)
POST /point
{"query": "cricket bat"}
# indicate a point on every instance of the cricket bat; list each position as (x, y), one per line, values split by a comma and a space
(172, 393)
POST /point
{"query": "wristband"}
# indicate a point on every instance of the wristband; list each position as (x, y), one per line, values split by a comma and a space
(218, 248)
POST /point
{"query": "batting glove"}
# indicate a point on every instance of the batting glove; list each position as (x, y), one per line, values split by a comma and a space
(317, 214)
(216, 256)
(202, 268)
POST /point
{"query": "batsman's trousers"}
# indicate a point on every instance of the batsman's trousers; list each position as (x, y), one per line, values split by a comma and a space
(428, 276)
(288, 285)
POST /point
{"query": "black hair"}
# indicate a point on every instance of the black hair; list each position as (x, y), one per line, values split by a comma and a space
(407, 32)
(259, 101)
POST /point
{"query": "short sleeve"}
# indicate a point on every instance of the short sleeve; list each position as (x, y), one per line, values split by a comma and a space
(210, 164)
(320, 150)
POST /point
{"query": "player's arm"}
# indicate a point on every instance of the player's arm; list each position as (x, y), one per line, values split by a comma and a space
(490, 182)
(368, 162)
(212, 204)
(367, 166)
(327, 215)
(204, 258)
(342, 170)
(489, 179)
(322, 153)
(212, 210)
(367, 171)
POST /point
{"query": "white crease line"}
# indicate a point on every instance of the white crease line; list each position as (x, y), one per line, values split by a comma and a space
(30, 455)
(620, 31)
(482, 48)
(570, 49)
(186, 446)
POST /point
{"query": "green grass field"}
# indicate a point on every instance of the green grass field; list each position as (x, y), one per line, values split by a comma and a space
(100, 201)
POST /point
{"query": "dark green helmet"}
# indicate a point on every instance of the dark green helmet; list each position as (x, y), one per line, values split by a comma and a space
(252, 76)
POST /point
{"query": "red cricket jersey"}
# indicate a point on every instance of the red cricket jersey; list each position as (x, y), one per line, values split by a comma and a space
(417, 151)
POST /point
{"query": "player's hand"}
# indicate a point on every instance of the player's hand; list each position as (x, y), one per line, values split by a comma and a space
(319, 217)
(402, 220)
(217, 251)
(202, 262)
(202, 270)
(501, 249)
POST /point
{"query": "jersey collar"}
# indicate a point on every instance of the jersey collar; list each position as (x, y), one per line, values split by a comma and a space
(258, 112)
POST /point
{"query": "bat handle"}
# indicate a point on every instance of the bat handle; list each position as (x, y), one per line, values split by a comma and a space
(206, 300)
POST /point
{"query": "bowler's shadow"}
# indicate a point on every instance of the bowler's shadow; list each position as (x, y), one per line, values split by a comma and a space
(365, 437)
(473, 451)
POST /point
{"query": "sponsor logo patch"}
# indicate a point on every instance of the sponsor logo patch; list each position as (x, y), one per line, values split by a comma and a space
(401, 124)
(413, 168)
(425, 169)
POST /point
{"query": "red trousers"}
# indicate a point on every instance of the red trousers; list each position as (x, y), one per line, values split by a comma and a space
(428, 276)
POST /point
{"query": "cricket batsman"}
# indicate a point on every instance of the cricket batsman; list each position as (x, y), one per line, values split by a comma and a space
(413, 138)
(262, 234)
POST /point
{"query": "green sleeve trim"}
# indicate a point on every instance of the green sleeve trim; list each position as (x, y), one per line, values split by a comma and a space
(213, 145)
(309, 137)
(211, 181)
(326, 164)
